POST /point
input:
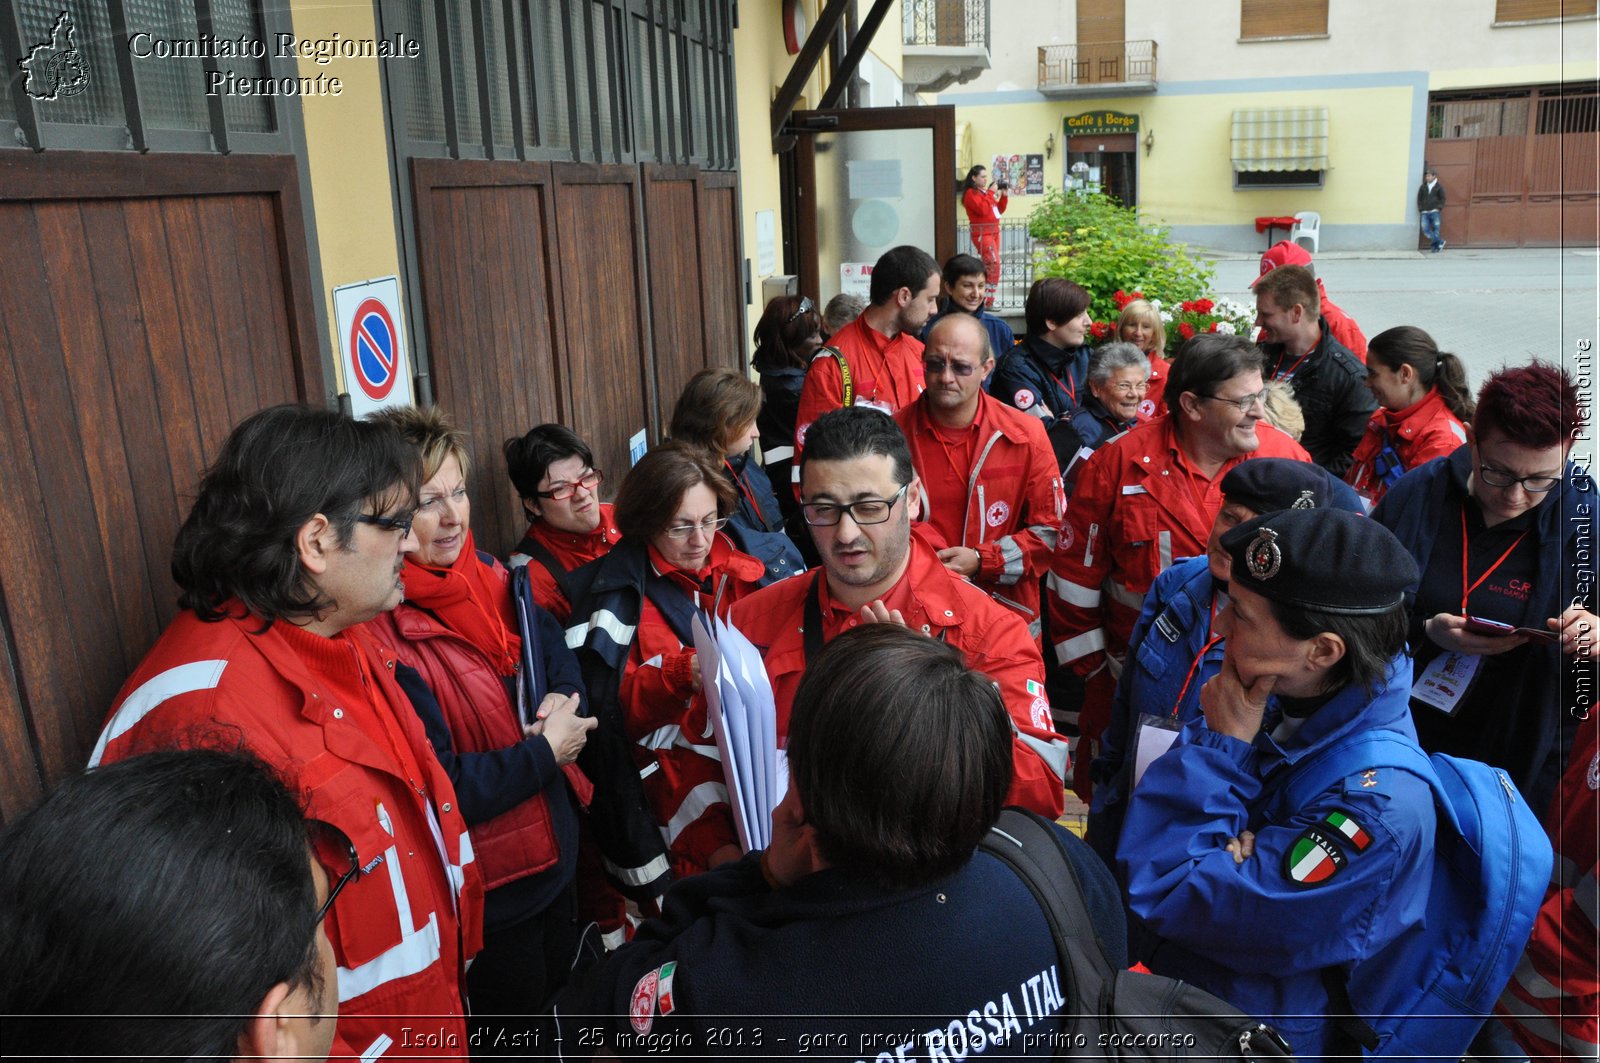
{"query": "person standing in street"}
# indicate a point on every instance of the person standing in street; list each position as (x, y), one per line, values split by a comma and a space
(1430, 201)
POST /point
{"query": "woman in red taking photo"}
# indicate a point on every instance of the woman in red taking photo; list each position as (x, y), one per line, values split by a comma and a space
(984, 205)
(1423, 404)
(505, 726)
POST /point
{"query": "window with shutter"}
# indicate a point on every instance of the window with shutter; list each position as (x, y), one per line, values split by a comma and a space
(1267, 19)
(1534, 10)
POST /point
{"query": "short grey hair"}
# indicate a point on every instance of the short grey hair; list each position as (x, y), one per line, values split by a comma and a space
(841, 310)
(1108, 360)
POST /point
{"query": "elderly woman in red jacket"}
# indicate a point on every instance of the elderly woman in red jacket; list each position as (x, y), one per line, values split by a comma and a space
(506, 728)
(984, 205)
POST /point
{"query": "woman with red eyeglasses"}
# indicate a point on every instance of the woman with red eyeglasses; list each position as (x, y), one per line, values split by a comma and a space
(1501, 531)
(568, 526)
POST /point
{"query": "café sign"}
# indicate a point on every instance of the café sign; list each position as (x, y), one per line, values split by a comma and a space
(1100, 123)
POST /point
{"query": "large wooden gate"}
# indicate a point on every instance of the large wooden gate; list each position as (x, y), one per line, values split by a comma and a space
(149, 303)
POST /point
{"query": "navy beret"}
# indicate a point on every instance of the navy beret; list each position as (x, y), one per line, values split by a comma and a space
(1332, 560)
(1267, 485)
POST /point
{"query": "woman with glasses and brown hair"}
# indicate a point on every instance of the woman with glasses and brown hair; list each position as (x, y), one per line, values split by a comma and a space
(1501, 532)
(633, 618)
(788, 334)
(553, 471)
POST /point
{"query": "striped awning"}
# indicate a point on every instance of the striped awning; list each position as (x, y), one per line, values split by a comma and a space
(1280, 138)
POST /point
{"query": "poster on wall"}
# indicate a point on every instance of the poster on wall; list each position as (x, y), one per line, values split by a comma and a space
(1024, 173)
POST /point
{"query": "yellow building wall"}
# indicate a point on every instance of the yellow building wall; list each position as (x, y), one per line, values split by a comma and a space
(348, 158)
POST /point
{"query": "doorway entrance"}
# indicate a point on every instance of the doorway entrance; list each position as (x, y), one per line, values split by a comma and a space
(1106, 164)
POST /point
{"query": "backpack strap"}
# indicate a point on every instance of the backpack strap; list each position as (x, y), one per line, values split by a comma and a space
(541, 553)
(844, 373)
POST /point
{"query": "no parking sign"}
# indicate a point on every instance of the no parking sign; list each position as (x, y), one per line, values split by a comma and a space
(377, 372)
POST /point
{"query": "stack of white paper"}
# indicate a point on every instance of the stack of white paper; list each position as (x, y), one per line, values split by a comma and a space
(744, 721)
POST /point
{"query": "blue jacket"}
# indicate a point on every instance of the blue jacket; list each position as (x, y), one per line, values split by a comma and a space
(1252, 933)
(1413, 508)
(1001, 338)
(1045, 381)
(1171, 631)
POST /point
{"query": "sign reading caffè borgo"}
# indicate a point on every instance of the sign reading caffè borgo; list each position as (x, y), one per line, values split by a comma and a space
(1100, 123)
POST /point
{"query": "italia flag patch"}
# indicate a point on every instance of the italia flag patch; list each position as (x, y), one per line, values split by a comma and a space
(1313, 859)
(1352, 831)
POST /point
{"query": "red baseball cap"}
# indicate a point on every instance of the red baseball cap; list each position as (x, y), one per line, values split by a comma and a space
(1282, 253)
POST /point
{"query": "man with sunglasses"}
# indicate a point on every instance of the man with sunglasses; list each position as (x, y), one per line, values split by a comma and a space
(295, 538)
(1146, 499)
(987, 471)
(858, 490)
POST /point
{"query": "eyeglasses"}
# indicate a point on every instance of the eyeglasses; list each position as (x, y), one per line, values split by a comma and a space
(434, 504)
(561, 492)
(1125, 388)
(935, 366)
(399, 524)
(1534, 485)
(866, 511)
(711, 525)
(805, 307)
(1242, 405)
(341, 843)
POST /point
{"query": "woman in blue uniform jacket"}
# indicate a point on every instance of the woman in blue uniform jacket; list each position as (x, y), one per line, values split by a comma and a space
(1240, 894)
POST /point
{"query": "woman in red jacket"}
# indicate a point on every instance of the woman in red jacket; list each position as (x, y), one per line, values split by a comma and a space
(1423, 402)
(984, 205)
(506, 727)
(1140, 324)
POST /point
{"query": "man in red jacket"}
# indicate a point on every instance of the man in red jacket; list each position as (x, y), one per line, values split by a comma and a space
(1146, 499)
(876, 360)
(296, 538)
(987, 471)
(858, 490)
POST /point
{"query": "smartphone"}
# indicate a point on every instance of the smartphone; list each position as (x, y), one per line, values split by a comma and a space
(1478, 625)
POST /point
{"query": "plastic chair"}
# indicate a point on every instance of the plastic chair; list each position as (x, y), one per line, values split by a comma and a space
(1307, 226)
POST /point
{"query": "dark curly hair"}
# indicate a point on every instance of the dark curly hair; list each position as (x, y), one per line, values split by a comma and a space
(278, 469)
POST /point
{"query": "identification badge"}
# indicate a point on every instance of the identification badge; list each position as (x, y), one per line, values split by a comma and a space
(1446, 680)
(1155, 736)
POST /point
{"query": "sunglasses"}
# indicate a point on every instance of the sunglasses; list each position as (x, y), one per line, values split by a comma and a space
(806, 306)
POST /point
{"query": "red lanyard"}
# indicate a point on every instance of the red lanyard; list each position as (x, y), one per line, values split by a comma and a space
(1286, 377)
(1069, 387)
(755, 507)
(1195, 665)
(1465, 588)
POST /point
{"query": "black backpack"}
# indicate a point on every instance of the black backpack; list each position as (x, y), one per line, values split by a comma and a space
(1118, 1014)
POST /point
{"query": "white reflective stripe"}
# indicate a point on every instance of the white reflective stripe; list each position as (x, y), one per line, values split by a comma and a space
(1047, 534)
(671, 737)
(654, 662)
(1564, 872)
(1546, 1028)
(1082, 645)
(1010, 560)
(604, 620)
(638, 876)
(1036, 628)
(1134, 489)
(694, 803)
(1587, 894)
(1532, 982)
(376, 1048)
(414, 954)
(1053, 751)
(1164, 549)
(777, 454)
(184, 679)
(402, 898)
(1123, 595)
(517, 560)
(794, 474)
(1073, 593)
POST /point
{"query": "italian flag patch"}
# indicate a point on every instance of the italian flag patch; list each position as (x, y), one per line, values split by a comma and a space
(1035, 688)
(1313, 859)
(1352, 831)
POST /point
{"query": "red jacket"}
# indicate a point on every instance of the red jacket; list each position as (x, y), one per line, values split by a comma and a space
(1419, 433)
(403, 930)
(666, 718)
(1342, 325)
(1132, 514)
(1010, 506)
(1150, 407)
(1555, 992)
(938, 603)
(478, 711)
(983, 211)
(884, 373)
(569, 551)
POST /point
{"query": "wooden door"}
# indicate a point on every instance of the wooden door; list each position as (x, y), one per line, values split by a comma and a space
(1102, 37)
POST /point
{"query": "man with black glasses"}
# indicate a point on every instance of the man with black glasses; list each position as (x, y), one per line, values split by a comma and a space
(295, 538)
(1144, 500)
(170, 906)
(858, 490)
(987, 471)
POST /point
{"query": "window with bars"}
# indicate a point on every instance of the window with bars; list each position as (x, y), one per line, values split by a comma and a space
(1269, 19)
(581, 80)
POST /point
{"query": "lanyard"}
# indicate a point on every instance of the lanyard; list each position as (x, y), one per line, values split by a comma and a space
(1468, 589)
(755, 507)
(1286, 377)
(1195, 665)
(1069, 387)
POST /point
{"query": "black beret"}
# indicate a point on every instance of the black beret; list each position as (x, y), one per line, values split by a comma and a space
(1267, 485)
(1332, 560)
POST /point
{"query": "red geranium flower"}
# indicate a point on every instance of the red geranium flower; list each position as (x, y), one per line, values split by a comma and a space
(1101, 329)
(1213, 327)
(1203, 306)
(1121, 298)
(1186, 330)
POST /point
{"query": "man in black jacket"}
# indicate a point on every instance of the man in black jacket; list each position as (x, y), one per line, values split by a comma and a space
(1329, 382)
(1430, 201)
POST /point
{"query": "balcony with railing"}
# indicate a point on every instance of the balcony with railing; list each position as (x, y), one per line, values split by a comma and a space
(1115, 68)
(946, 42)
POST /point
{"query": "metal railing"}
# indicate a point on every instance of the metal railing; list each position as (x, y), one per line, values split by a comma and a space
(946, 23)
(1066, 65)
(1016, 262)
